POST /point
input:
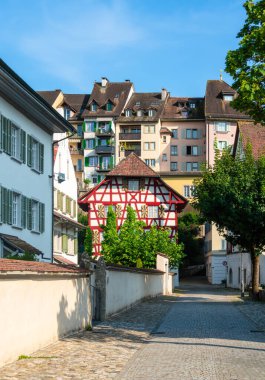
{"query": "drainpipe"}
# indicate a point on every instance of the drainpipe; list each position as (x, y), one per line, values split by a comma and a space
(52, 177)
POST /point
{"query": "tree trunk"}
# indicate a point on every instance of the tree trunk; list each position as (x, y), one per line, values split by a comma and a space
(255, 275)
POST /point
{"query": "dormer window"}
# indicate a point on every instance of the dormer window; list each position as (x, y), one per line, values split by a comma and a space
(192, 105)
(139, 112)
(109, 106)
(128, 113)
(184, 113)
(93, 107)
(228, 98)
(151, 113)
(67, 113)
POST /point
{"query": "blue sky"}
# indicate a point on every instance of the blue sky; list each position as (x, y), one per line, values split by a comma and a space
(66, 44)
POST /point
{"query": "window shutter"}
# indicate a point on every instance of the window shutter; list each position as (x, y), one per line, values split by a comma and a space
(86, 161)
(65, 243)
(29, 213)
(75, 246)
(100, 162)
(41, 156)
(4, 133)
(111, 162)
(84, 126)
(99, 178)
(99, 142)
(183, 166)
(8, 137)
(29, 151)
(95, 125)
(228, 127)
(183, 133)
(42, 217)
(23, 146)
(24, 212)
(4, 204)
(184, 150)
(199, 133)
(10, 199)
(58, 199)
(84, 144)
(74, 209)
(199, 150)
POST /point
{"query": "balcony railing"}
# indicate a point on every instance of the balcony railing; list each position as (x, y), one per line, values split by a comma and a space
(105, 149)
(104, 167)
(77, 151)
(130, 136)
(104, 132)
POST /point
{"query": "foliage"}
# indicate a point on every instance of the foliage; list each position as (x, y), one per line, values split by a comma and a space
(133, 246)
(188, 234)
(246, 64)
(27, 256)
(110, 238)
(232, 195)
(87, 181)
(88, 246)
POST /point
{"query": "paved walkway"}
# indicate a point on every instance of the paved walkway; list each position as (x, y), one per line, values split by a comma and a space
(206, 333)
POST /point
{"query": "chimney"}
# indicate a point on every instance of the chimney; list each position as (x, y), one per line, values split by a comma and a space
(164, 94)
(104, 81)
(127, 80)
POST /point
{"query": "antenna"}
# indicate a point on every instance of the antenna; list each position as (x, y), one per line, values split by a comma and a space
(221, 74)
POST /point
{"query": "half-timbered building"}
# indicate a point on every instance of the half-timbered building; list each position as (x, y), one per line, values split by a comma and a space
(132, 183)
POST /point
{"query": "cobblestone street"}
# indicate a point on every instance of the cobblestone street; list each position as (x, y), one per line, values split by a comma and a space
(206, 333)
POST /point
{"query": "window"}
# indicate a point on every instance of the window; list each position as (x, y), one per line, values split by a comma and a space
(149, 129)
(164, 157)
(152, 212)
(192, 134)
(91, 161)
(93, 107)
(35, 154)
(192, 166)
(188, 191)
(192, 150)
(150, 162)
(133, 185)
(80, 130)
(94, 180)
(15, 142)
(105, 162)
(136, 130)
(90, 144)
(184, 113)
(228, 98)
(149, 146)
(192, 105)
(139, 113)
(164, 139)
(37, 216)
(128, 113)
(174, 150)
(151, 113)
(175, 133)
(221, 126)
(222, 145)
(173, 166)
(90, 126)
(66, 113)
(16, 209)
(79, 165)
(109, 106)
(12, 140)
(223, 245)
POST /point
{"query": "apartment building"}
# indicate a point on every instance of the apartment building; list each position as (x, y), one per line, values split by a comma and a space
(138, 128)
(221, 126)
(106, 103)
(183, 143)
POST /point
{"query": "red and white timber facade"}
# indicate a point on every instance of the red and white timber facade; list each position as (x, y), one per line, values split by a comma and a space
(132, 183)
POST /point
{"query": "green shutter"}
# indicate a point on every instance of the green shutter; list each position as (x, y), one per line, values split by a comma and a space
(100, 162)
(74, 209)
(8, 136)
(84, 144)
(75, 246)
(84, 126)
(111, 162)
(24, 212)
(29, 213)
(29, 150)
(23, 146)
(86, 161)
(42, 217)
(99, 178)
(6, 130)
(65, 243)
(3, 205)
(95, 126)
(10, 201)
(41, 157)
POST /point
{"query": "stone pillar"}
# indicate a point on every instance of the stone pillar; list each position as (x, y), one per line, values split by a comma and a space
(100, 272)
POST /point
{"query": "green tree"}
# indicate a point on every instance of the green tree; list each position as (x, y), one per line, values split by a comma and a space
(110, 241)
(81, 233)
(27, 256)
(88, 246)
(246, 64)
(188, 234)
(232, 195)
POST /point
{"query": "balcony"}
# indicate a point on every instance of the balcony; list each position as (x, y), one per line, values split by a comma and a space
(105, 149)
(104, 167)
(77, 151)
(104, 132)
(130, 136)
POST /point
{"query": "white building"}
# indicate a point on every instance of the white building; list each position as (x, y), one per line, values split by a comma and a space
(65, 204)
(26, 167)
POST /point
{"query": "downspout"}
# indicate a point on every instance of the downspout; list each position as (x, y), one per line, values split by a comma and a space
(52, 177)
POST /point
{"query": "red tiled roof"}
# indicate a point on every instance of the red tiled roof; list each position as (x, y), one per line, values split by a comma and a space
(9, 265)
(255, 135)
(132, 166)
(49, 96)
(165, 130)
(174, 106)
(63, 260)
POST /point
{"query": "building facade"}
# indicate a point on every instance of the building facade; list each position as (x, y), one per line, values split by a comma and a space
(26, 171)
(132, 183)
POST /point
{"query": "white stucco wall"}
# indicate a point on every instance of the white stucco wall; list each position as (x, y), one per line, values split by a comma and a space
(123, 289)
(21, 178)
(215, 268)
(234, 263)
(37, 310)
